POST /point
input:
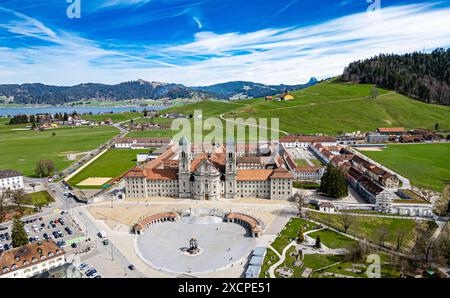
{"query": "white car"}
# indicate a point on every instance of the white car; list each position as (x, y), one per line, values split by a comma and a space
(1, 246)
(93, 275)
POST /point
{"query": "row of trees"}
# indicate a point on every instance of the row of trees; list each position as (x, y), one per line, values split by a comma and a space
(422, 76)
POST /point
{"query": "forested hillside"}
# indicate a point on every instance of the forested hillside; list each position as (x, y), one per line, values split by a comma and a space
(425, 77)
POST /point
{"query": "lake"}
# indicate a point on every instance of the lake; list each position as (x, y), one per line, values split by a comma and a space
(79, 110)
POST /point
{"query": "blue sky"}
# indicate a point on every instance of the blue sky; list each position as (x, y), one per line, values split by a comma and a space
(201, 42)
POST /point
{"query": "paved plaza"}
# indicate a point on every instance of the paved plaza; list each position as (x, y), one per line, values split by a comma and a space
(222, 244)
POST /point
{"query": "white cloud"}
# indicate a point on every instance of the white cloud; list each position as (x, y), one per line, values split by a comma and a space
(197, 21)
(272, 56)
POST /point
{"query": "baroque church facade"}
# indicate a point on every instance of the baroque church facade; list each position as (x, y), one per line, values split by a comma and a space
(221, 173)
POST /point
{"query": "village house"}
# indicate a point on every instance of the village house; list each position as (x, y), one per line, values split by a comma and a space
(141, 143)
(31, 259)
(10, 180)
(391, 131)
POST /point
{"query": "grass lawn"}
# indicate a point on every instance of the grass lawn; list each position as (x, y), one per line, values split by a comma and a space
(22, 149)
(366, 227)
(305, 185)
(312, 261)
(270, 259)
(358, 269)
(290, 232)
(332, 239)
(301, 162)
(42, 197)
(317, 261)
(112, 163)
(316, 162)
(426, 165)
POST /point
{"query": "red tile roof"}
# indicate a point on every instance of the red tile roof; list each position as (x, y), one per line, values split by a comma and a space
(391, 129)
(253, 175)
(143, 222)
(308, 169)
(253, 223)
(135, 173)
(281, 173)
(162, 174)
(29, 255)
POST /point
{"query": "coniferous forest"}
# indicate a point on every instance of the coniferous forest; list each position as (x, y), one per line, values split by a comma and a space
(422, 76)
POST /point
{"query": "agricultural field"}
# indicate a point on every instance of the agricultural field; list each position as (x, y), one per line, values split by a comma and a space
(111, 164)
(426, 165)
(118, 117)
(21, 149)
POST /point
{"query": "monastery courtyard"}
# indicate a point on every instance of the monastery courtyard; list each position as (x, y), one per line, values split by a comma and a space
(160, 250)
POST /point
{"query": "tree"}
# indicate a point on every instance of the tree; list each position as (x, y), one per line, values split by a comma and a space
(381, 234)
(442, 251)
(300, 237)
(39, 206)
(333, 183)
(374, 92)
(19, 196)
(424, 243)
(441, 206)
(318, 244)
(4, 196)
(18, 235)
(436, 126)
(44, 168)
(299, 200)
(399, 238)
(346, 221)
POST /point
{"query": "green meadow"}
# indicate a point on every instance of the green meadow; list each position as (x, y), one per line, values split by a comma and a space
(331, 108)
(21, 149)
(426, 165)
(119, 117)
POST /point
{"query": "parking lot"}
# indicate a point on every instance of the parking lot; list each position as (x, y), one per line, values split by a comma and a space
(57, 227)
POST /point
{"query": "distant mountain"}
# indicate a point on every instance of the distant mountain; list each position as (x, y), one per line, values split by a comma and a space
(46, 94)
(422, 76)
(244, 90)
